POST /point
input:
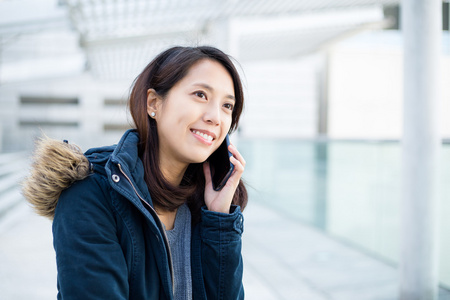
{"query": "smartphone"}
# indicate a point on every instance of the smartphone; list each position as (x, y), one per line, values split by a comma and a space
(220, 165)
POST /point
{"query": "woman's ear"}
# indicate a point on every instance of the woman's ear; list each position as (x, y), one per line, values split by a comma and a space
(153, 102)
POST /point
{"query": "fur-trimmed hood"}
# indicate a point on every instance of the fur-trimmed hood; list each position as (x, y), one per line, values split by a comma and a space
(55, 166)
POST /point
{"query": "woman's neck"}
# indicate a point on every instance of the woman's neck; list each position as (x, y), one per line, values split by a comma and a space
(172, 171)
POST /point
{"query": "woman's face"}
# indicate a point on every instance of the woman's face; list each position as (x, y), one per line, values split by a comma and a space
(195, 116)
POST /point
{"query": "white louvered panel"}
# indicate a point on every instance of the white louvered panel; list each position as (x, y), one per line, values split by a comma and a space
(98, 19)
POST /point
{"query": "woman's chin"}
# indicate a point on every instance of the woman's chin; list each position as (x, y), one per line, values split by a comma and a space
(197, 159)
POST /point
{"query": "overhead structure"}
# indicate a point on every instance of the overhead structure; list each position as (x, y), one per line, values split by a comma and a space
(115, 39)
(120, 36)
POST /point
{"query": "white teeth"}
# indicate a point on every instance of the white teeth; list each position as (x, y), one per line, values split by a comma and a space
(203, 135)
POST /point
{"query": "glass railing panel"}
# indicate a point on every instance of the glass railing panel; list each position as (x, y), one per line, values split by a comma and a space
(351, 190)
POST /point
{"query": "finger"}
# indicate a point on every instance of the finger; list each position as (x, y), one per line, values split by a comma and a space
(237, 154)
(238, 161)
(235, 177)
(238, 167)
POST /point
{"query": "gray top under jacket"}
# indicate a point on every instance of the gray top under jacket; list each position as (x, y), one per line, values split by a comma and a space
(180, 247)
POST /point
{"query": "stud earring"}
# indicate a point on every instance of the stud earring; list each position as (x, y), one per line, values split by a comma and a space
(152, 114)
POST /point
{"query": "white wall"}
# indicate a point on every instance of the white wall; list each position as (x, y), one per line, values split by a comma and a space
(281, 99)
(366, 88)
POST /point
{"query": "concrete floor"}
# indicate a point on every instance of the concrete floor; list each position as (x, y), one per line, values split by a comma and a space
(284, 259)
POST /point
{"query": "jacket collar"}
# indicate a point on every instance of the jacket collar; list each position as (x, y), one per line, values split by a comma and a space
(126, 155)
(107, 160)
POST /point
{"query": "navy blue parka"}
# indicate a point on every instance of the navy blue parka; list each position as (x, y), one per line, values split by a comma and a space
(110, 244)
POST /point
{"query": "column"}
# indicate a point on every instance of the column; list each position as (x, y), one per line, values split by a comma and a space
(421, 142)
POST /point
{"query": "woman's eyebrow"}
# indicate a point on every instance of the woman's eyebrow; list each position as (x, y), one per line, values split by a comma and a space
(211, 89)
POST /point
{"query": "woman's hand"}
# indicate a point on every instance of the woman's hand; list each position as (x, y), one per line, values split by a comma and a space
(220, 201)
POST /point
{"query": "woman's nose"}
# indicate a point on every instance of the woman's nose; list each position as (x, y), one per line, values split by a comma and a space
(212, 114)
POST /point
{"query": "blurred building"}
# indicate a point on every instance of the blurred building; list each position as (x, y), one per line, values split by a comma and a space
(311, 68)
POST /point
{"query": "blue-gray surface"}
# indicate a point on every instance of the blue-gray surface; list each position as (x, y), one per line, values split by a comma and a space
(349, 189)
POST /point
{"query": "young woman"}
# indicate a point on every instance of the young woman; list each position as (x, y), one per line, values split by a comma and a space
(141, 220)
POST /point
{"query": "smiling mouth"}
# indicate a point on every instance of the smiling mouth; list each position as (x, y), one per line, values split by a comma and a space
(203, 135)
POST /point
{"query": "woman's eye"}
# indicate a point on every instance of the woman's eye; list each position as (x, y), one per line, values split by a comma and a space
(200, 94)
(228, 106)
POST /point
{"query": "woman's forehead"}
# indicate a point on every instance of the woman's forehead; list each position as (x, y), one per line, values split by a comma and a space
(211, 75)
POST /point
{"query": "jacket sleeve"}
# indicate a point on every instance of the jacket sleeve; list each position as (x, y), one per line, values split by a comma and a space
(90, 261)
(221, 254)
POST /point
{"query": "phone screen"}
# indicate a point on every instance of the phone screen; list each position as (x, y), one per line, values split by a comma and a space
(220, 165)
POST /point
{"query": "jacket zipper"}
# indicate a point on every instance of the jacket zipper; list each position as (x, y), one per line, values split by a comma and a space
(166, 240)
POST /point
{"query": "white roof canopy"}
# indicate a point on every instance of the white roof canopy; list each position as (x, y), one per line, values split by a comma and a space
(119, 37)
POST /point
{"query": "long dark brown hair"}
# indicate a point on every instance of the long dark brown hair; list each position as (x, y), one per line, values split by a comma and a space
(161, 74)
